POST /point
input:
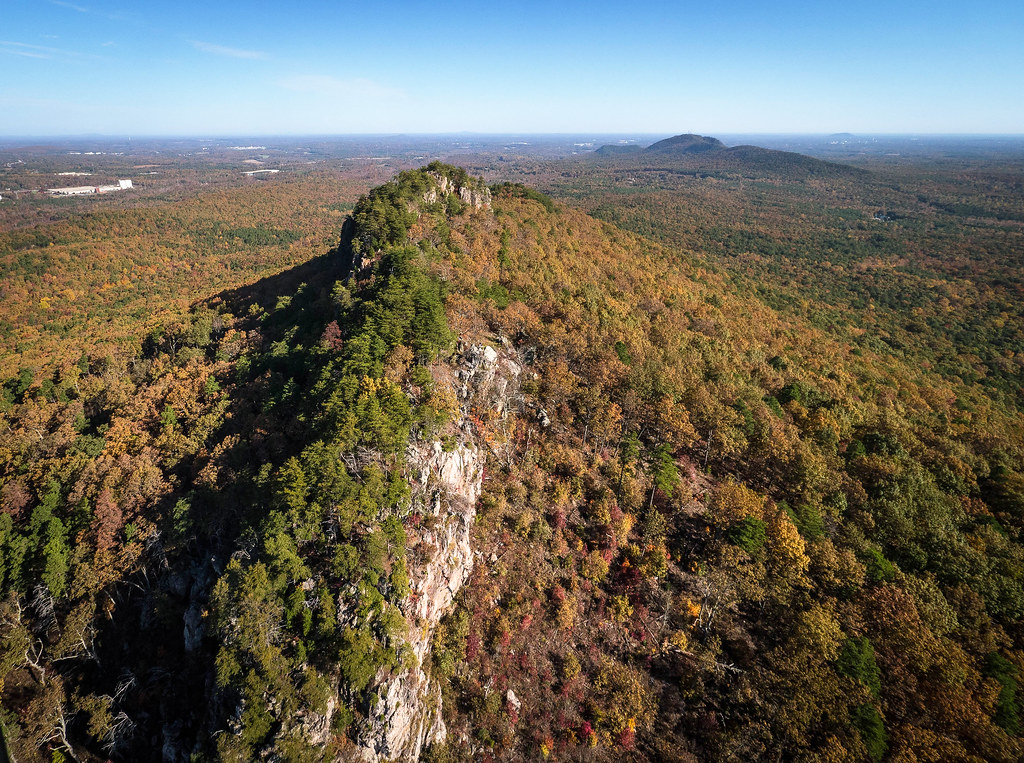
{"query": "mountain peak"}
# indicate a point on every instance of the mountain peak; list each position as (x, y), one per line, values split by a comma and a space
(688, 143)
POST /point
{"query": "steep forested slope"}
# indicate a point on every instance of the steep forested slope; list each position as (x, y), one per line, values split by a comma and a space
(781, 542)
(921, 260)
(707, 529)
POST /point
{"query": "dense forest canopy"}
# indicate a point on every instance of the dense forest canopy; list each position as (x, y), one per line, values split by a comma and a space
(90, 279)
(741, 495)
(919, 260)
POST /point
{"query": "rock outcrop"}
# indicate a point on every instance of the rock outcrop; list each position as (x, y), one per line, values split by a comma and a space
(356, 253)
(447, 484)
(476, 197)
(408, 715)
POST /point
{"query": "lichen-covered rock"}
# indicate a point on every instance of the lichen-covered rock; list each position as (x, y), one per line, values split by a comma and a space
(317, 726)
(476, 197)
(408, 714)
(447, 482)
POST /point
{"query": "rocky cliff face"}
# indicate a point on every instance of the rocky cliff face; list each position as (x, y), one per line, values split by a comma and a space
(408, 715)
(476, 197)
(447, 483)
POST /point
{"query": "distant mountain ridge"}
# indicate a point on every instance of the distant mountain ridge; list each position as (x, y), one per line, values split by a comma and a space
(688, 143)
(617, 150)
(703, 153)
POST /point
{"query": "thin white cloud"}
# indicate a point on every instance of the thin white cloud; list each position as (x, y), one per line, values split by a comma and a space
(39, 51)
(355, 87)
(24, 53)
(16, 46)
(72, 6)
(221, 50)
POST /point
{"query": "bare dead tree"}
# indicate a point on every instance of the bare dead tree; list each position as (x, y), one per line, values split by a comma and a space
(33, 646)
(34, 659)
(58, 735)
(121, 728)
(127, 682)
(42, 603)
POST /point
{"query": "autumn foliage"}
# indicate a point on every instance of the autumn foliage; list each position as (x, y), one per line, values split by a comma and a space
(711, 527)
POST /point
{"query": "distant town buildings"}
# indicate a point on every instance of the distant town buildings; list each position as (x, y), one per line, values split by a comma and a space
(84, 190)
(259, 172)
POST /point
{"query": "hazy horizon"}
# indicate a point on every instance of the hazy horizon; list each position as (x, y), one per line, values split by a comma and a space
(201, 136)
(191, 69)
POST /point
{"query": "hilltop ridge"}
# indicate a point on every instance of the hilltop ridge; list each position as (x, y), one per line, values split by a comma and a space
(703, 153)
(685, 144)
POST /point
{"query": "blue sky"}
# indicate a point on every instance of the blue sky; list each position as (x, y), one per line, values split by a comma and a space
(222, 68)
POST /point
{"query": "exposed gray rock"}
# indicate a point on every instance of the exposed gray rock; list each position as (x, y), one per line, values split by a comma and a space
(195, 626)
(477, 198)
(317, 726)
(408, 715)
(173, 749)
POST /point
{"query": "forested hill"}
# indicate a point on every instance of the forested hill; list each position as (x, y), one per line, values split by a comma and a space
(711, 156)
(685, 144)
(496, 480)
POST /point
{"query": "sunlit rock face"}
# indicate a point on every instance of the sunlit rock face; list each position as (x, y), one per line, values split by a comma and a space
(447, 483)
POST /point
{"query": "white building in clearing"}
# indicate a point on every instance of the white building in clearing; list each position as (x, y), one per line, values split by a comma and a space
(84, 190)
(75, 190)
(121, 186)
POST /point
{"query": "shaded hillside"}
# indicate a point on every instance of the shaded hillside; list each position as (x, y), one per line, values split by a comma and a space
(690, 526)
(83, 276)
(616, 150)
(206, 542)
(786, 164)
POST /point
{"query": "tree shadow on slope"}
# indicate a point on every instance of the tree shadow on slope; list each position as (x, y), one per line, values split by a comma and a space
(157, 629)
